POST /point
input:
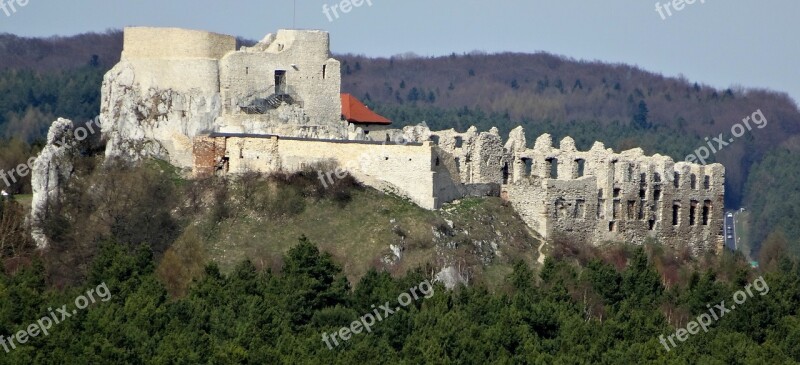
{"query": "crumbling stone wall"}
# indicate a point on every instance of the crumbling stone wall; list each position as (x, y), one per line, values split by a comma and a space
(308, 73)
(466, 164)
(402, 169)
(209, 156)
(598, 195)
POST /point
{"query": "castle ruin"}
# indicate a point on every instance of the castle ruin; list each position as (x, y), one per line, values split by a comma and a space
(191, 98)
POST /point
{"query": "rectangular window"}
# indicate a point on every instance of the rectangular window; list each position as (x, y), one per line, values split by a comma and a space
(528, 166)
(553, 167)
(706, 212)
(280, 82)
(676, 213)
(581, 167)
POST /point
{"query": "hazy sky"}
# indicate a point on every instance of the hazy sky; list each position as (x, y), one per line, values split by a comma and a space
(721, 43)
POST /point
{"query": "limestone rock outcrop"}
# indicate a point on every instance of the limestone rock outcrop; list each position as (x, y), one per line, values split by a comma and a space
(52, 168)
(153, 122)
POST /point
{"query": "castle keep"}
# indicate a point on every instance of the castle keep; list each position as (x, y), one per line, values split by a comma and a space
(193, 99)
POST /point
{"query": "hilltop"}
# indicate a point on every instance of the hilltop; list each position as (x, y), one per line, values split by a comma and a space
(621, 105)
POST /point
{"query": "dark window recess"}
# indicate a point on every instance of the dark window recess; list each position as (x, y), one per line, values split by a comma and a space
(677, 181)
(657, 177)
(554, 168)
(280, 82)
(324, 69)
(676, 214)
(612, 226)
(693, 213)
(706, 211)
(657, 194)
(528, 166)
(616, 192)
(651, 224)
(694, 181)
(581, 167)
(505, 173)
(459, 142)
(707, 182)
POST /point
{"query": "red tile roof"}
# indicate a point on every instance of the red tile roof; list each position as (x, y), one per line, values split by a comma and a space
(356, 112)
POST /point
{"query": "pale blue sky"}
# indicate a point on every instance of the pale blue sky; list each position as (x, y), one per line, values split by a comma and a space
(721, 43)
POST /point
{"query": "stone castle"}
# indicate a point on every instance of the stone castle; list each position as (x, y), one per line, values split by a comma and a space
(194, 99)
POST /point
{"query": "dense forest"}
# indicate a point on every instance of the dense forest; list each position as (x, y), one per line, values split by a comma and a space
(163, 303)
(580, 308)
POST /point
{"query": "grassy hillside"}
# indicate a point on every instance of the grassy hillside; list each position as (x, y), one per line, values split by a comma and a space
(190, 223)
(472, 235)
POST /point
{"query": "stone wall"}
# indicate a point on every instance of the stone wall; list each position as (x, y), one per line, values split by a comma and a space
(209, 156)
(312, 78)
(402, 169)
(598, 195)
(590, 196)
(178, 59)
